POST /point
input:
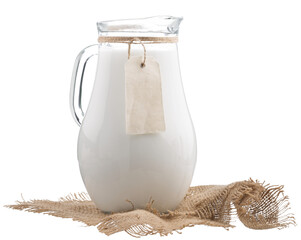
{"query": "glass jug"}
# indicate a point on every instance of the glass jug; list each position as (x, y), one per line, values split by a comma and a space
(122, 171)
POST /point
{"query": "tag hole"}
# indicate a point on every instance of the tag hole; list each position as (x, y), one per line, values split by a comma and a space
(142, 65)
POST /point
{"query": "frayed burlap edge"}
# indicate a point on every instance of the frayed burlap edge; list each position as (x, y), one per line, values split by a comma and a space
(257, 205)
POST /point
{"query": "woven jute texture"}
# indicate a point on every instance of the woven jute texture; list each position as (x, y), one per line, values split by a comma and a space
(257, 205)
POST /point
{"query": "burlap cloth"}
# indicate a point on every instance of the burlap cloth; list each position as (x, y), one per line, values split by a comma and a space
(257, 205)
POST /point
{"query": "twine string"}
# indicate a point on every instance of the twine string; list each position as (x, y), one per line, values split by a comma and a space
(144, 50)
(145, 40)
(140, 40)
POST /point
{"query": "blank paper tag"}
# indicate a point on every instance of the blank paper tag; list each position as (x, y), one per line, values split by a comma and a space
(143, 96)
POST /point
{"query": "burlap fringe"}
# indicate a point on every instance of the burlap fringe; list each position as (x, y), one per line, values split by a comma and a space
(257, 205)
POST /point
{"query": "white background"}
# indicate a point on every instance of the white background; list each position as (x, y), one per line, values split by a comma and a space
(241, 70)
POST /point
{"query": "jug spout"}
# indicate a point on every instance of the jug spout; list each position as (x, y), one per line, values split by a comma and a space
(151, 26)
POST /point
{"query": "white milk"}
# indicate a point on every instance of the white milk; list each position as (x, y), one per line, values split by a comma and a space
(116, 167)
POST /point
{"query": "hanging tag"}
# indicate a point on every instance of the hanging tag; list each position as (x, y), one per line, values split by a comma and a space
(143, 96)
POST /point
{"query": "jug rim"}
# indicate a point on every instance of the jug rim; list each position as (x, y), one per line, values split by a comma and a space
(150, 26)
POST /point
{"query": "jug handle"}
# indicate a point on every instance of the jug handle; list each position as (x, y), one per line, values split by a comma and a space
(77, 82)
